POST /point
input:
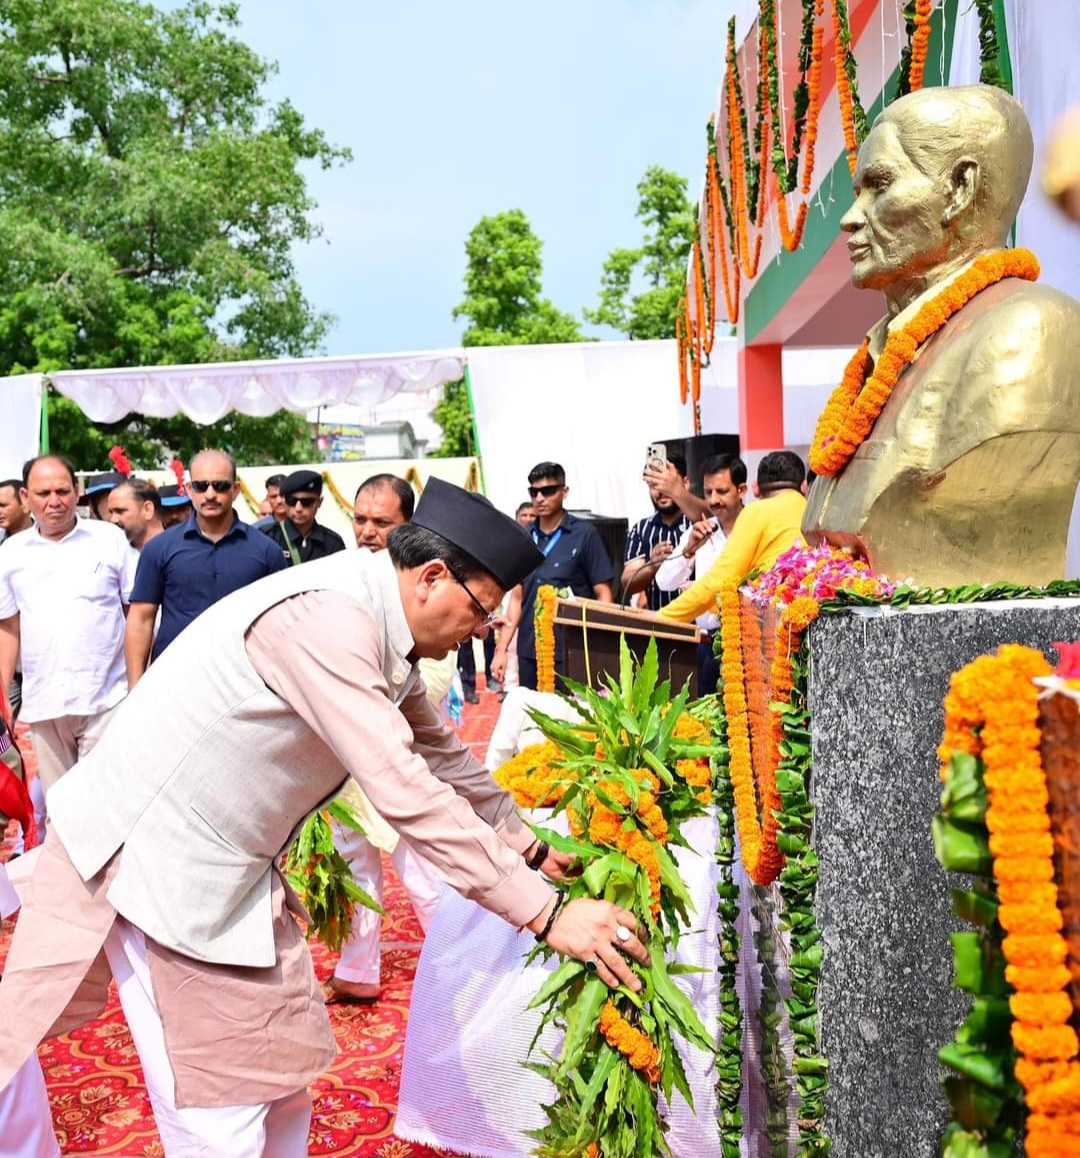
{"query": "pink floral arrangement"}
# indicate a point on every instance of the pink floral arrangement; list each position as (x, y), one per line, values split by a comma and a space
(1068, 660)
(816, 573)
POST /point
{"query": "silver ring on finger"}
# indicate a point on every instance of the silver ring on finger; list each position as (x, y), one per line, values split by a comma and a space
(622, 934)
(592, 964)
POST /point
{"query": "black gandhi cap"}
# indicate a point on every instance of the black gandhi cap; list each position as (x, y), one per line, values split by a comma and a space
(470, 522)
(302, 480)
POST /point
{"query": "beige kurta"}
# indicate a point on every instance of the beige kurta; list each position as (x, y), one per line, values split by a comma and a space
(244, 1035)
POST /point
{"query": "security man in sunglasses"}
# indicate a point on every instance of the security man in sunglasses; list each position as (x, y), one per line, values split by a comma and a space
(191, 566)
(299, 536)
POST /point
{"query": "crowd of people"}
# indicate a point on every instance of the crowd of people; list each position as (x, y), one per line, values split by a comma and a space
(183, 683)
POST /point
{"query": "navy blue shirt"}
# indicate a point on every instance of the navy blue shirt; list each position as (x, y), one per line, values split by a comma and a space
(575, 558)
(183, 572)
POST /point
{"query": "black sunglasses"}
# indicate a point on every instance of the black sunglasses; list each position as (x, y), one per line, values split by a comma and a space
(547, 492)
(201, 485)
(306, 501)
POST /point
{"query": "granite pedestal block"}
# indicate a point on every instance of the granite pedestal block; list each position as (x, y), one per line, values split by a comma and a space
(885, 999)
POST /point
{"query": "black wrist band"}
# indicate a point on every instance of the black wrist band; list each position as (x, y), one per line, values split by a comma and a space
(559, 899)
(538, 857)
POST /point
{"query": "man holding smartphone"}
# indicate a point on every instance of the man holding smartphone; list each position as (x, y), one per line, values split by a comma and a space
(574, 557)
(655, 538)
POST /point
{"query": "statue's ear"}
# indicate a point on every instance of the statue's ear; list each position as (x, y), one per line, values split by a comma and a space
(964, 183)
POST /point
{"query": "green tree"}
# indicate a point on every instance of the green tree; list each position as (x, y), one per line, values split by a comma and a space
(150, 198)
(503, 274)
(640, 288)
(504, 307)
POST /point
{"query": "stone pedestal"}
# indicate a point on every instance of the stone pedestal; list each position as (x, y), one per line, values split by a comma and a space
(885, 998)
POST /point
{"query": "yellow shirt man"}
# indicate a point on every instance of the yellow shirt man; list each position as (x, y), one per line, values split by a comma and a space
(762, 533)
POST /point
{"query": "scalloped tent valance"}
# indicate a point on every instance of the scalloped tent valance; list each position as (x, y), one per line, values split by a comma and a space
(206, 393)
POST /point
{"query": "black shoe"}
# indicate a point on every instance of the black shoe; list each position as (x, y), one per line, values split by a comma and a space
(494, 686)
(471, 697)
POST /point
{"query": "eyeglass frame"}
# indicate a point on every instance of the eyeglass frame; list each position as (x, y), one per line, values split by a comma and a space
(489, 617)
(549, 490)
(221, 486)
(306, 501)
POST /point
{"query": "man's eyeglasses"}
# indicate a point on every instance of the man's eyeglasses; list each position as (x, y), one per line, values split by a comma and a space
(305, 501)
(487, 617)
(547, 492)
(221, 485)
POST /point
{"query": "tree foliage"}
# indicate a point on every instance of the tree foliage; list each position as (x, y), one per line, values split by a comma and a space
(150, 196)
(452, 413)
(503, 274)
(504, 307)
(640, 288)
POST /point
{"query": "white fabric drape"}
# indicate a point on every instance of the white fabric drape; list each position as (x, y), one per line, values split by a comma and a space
(207, 393)
(20, 422)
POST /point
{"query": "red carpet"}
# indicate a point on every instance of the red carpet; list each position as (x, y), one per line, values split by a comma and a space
(96, 1087)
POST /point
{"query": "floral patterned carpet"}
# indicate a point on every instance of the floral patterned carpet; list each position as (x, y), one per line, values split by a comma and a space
(96, 1087)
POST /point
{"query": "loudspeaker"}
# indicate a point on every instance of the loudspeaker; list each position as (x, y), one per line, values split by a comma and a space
(697, 449)
(613, 533)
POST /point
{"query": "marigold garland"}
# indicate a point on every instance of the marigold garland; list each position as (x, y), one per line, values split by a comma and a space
(920, 41)
(757, 828)
(544, 629)
(535, 777)
(856, 404)
(991, 711)
(631, 1042)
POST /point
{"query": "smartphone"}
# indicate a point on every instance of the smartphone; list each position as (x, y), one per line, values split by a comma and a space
(656, 455)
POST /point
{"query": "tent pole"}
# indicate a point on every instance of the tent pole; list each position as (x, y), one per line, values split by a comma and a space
(44, 415)
(475, 431)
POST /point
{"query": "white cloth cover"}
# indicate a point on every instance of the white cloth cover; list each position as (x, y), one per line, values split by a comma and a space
(463, 1083)
(20, 430)
(514, 729)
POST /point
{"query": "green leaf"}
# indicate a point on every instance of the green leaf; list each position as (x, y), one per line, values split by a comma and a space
(556, 981)
(581, 1022)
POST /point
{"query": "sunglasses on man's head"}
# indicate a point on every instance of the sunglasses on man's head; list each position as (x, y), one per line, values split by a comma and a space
(306, 501)
(201, 485)
(547, 492)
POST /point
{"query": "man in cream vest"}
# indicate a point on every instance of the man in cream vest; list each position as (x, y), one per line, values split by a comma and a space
(164, 843)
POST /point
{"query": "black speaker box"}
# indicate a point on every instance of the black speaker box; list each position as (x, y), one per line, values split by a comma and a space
(697, 449)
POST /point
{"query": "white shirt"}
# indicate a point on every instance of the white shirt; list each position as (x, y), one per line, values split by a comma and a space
(677, 572)
(69, 595)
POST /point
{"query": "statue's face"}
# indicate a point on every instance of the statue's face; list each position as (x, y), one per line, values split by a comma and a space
(896, 231)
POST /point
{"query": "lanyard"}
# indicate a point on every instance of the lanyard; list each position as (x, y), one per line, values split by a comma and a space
(550, 545)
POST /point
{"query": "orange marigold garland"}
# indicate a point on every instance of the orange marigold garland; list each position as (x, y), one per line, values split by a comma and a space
(536, 777)
(757, 826)
(856, 403)
(631, 1042)
(544, 626)
(920, 41)
(991, 712)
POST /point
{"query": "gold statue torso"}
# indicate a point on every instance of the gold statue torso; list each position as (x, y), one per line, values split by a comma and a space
(970, 471)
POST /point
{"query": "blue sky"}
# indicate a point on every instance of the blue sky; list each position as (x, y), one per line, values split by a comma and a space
(457, 110)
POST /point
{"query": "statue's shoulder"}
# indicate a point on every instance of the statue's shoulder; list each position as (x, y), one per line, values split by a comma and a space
(1022, 309)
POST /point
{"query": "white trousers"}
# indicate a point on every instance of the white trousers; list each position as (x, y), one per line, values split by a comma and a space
(277, 1129)
(26, 1129)
(361, 959)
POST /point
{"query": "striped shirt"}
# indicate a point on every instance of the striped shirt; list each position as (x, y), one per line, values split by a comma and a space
(643, 537)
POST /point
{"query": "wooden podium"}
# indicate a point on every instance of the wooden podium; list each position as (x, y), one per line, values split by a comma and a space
(591, 631)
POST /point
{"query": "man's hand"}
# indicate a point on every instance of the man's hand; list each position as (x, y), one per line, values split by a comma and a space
(699, 532)
(660, 552)
(589, 931)
(498, 664)
(669, 482)
(558, 866)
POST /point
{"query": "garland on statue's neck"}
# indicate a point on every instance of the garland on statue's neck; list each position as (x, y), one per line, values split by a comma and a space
(856, 403)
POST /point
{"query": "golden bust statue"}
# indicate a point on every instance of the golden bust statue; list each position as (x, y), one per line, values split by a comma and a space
(968, 473)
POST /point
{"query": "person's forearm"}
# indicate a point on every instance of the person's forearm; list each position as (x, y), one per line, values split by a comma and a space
(603, 593)
(637, 577)
(9, 650)
(692, 507)
(138, 641)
